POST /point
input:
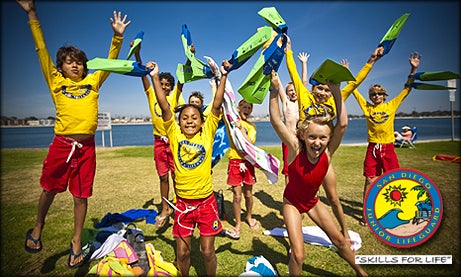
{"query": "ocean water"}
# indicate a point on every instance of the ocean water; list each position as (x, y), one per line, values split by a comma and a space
(141, 134)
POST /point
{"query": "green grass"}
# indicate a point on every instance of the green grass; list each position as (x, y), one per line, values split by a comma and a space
(126, 179)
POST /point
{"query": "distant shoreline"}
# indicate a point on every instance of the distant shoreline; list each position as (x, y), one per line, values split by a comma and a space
(251, 119)
(345, 144)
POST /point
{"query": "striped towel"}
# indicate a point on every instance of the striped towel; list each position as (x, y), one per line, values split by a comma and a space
(256, 156)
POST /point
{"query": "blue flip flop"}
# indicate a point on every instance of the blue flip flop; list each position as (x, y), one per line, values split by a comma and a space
(35, 241)
(86, 253)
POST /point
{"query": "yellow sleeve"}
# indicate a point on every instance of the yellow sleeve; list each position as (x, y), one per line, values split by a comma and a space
(46, 63)
(360, 100)
(347, 90)
(115, 47)
(305, 98)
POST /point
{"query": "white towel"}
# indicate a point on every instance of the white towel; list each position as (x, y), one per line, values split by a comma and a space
(316, 236)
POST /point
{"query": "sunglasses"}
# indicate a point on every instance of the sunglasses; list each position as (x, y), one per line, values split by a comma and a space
(377, 93)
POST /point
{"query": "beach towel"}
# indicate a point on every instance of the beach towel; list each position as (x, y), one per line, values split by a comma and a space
(108, 246)
(220, 143)
(158, 266)
(117, 263)
(259, 266)
(256, 156)
(126, 217)
(316, 236)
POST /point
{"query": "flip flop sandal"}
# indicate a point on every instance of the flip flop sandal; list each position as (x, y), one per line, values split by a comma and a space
(35, 241)
(233, 234)
(86, 252)
(254, 226)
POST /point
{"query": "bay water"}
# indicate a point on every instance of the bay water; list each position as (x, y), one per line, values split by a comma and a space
(141, 134)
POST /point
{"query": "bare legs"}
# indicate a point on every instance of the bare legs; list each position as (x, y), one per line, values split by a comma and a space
(80, 209)
(236, 205)
(164, 191)
(208, 254)
(321, 216)
(44, 203)
(366, 186)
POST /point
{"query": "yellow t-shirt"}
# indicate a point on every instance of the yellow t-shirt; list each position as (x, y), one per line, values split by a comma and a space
(380, 118)
(157, 121)
(306, 99)
(192, 158)
(76, 103)
(250, 129)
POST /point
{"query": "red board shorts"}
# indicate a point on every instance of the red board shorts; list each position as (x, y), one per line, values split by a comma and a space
(70, 163)
(202, 213)
(236, 176)
(163, 157)
(379, 158)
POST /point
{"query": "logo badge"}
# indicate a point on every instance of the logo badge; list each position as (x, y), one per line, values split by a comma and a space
(403, 208)
(190, 154)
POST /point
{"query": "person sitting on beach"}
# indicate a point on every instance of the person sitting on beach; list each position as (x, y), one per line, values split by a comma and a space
(405, 134)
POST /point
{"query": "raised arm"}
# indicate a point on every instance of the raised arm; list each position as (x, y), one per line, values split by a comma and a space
(341, 121)
(376, 55)
(282, 131)
(360, 77)
(219, 96)
(137, 55)
(29, 7)
(276, 86)
(304, 57)
(161, 96)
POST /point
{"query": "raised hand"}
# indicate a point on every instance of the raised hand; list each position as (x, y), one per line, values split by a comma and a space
(345, 63)
(415, 59)
(303, 57)
(118, 23)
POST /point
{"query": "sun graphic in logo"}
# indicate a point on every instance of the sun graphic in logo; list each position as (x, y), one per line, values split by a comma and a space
(403, 208)
(395, 195)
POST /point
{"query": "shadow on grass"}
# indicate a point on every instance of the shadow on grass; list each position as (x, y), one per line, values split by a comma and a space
(268, 200)
(49, 265)
(350, 208)
(274, 257)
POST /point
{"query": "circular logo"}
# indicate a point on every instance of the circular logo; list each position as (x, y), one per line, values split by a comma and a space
(190, 154)
(403, 208)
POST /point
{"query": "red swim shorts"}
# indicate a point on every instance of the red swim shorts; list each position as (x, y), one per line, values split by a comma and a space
(70, 163)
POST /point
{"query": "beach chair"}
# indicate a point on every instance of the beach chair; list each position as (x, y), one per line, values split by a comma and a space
(410, 143)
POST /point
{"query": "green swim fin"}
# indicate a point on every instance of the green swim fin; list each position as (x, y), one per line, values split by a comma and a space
(434, 76)
(389, 38)
(425, 86)
(125, 67)
(256, 85)
(272, 16)
(250, 47)
(137, 41)
(331, 70)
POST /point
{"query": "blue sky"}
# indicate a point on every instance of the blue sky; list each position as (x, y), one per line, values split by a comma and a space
(333, 30)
